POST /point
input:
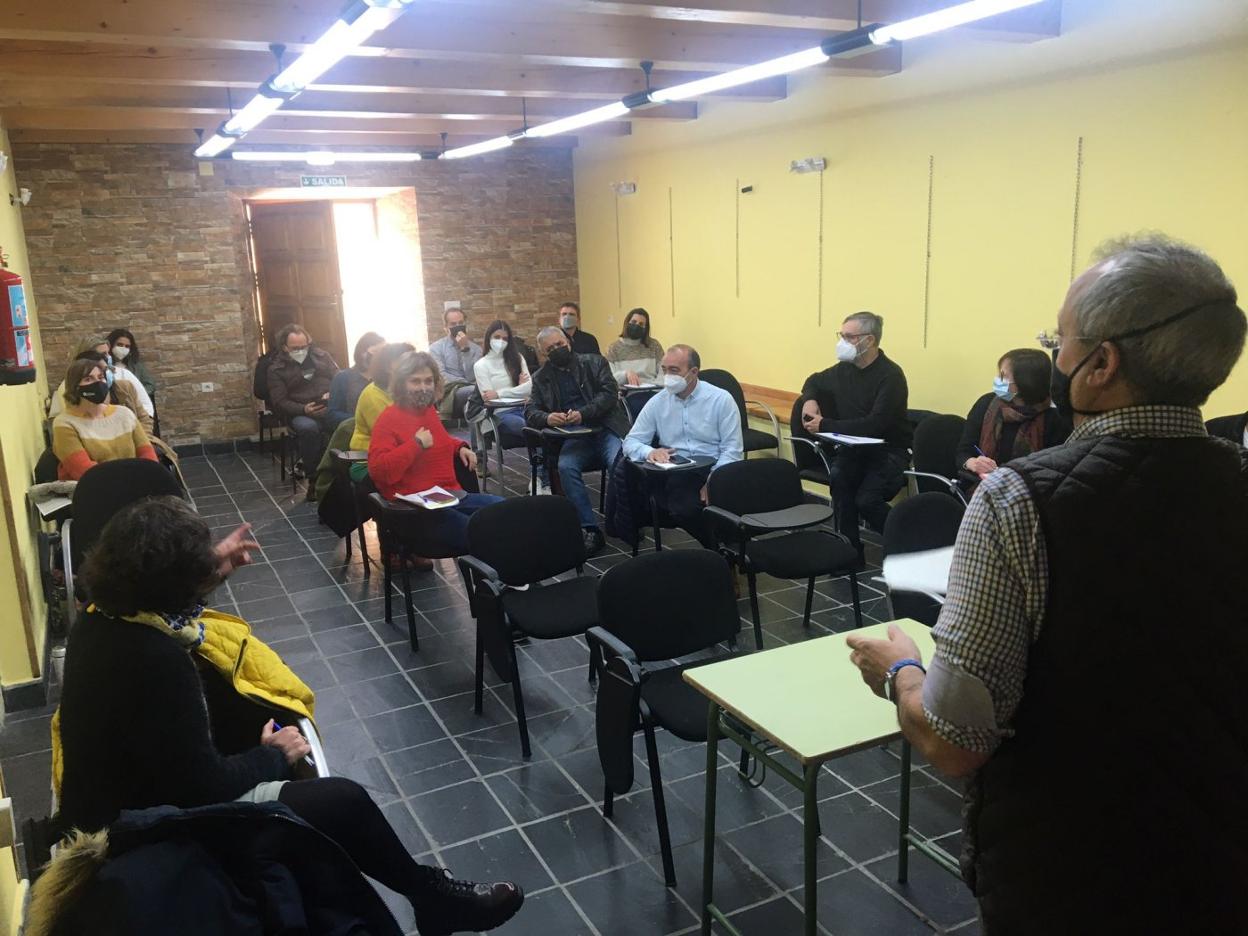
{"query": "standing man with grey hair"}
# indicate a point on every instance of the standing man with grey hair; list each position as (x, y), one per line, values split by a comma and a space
(864, 394)
(1089, 656)
(573, 392)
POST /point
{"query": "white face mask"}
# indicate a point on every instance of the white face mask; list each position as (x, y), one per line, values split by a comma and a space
(498, 345)
(674, 383)
(568, 321)
(846, 351)
(298, 356)
(121, 352)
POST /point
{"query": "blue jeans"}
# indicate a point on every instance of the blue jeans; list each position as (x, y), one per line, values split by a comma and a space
(452, 522)
(586, 454)
(310, 433)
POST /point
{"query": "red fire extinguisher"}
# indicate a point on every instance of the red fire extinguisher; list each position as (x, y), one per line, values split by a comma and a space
(17, 358)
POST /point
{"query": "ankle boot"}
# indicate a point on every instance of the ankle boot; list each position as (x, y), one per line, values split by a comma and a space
(444, 905)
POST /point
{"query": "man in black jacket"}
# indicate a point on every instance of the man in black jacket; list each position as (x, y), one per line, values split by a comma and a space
(299, 378)
(572, 392)
(865, 394)
(1234, 428)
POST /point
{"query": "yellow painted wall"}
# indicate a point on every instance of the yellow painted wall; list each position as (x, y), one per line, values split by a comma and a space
(1165, 147)
(21, 442)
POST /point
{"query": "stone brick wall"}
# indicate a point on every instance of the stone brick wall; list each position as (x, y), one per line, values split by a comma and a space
(135, 236)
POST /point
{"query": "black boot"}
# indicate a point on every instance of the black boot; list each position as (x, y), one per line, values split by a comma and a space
(448, 906)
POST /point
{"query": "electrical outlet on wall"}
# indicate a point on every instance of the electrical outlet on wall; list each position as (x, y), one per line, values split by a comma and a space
(206, 387)
(450, 304)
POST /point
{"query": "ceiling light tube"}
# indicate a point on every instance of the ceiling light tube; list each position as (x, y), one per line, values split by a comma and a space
(957, 15)
(215, 145)
(476, 149)
(577, 121)
(333, 45)
(259, 107)
(322, 157)
(740, 76)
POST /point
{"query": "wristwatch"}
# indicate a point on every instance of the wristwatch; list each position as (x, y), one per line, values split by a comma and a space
(891, 676)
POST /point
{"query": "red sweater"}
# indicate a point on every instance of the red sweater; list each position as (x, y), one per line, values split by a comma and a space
(396, 461)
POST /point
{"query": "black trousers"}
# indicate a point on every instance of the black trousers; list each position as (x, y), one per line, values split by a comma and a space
(343, 810)
(864, 479)
(678, 494)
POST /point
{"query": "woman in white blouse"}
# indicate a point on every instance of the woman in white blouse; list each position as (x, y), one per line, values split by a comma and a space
(502, 376)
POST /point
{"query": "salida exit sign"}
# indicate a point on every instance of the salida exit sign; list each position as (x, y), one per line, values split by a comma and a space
(322, 181)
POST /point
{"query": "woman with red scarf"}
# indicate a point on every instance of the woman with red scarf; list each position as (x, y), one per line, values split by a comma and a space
(1016, 419)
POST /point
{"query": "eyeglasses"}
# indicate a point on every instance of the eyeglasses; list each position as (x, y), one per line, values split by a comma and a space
(1055, 340)
(849, 336)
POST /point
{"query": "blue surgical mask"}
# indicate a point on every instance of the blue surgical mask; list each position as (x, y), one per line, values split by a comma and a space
(1001, 387)
(110, 377)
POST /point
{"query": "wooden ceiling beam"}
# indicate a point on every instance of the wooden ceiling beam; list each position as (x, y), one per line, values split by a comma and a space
(107, 64)
(827, 15)
(521, 36)
(283, 138)
(174, 118)
(32, 94)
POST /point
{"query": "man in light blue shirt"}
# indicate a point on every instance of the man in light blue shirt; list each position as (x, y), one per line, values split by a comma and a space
(688, 418)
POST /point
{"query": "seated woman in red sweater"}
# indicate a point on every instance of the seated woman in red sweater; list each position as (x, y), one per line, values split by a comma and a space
(411, 450)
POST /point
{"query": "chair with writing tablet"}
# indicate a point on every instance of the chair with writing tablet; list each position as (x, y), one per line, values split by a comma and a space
(654, 609)
(754, 440)
(919, 536)
(760, 516)
(935, 457)
(520, 551)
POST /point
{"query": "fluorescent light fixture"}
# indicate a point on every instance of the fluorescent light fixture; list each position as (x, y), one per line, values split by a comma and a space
(330, 49)
(322, 157)
(250, 116)
(577, 121)
(215, 145)
(476, 149)
(740, 76)
(958, 15)
(361, 19)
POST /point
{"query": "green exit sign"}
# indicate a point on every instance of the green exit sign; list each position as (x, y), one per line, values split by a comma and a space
(322, 181)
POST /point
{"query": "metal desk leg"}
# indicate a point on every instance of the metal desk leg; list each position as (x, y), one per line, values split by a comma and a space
(708, 836)
(810, 836)
(903, 815)
(654, 516)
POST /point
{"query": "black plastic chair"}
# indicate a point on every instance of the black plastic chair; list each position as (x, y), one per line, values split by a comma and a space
(935, 459)
(342, 462)
(101, 492)
(656, 607)
(487, 434)
(755, 440)
(761, 517)
(405, 531)
(810, 457)
(525, 541)
(918, 524)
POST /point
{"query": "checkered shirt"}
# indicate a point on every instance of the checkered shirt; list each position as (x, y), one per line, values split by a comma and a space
(998, 591)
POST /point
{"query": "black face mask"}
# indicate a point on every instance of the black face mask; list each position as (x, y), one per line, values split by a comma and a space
(560, 356)
(635, 331)
(95, 392)
(1059, 383)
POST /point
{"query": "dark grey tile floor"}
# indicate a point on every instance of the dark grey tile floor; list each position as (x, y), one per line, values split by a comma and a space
(455, 787)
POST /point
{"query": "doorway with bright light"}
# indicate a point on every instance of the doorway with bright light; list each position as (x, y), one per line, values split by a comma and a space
(339, 264)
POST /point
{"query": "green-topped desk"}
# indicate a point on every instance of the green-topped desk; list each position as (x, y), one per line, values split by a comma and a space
(807, 700)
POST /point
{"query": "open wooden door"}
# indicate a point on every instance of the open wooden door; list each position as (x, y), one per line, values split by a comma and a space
(296, 259)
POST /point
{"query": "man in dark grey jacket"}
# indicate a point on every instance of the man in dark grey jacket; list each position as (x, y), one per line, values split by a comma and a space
(573, 392)
(298, 381)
